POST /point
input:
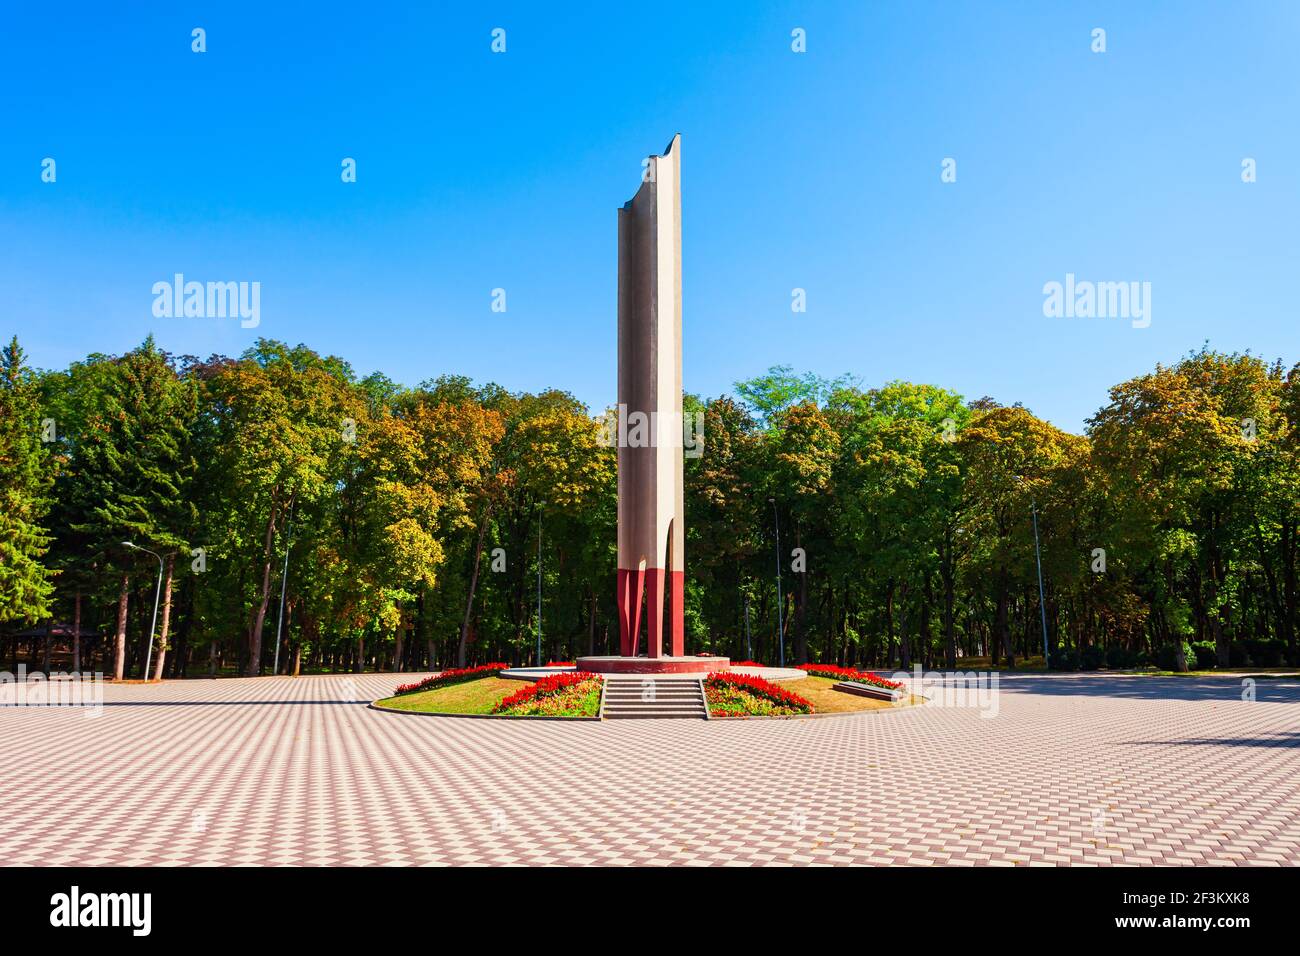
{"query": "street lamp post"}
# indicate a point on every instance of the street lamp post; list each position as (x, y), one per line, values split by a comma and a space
(540, 506)
(1042, 605)
(148, 654)
(749, 647)
(780, 607)
(284, 577)
(1038, 558)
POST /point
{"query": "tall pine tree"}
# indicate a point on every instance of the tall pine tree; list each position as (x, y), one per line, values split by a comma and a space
(25, 585)
(130, 468)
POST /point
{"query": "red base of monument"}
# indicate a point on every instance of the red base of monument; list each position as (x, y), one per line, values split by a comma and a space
(652, 665)
(651, 583)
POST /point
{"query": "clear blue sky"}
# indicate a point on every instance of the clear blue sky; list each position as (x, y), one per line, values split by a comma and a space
(819, 171)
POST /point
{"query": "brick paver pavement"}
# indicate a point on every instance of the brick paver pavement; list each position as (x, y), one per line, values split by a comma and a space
(1073, 769)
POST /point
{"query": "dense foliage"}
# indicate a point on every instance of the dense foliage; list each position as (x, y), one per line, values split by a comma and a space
(25, 585)
(411, 519)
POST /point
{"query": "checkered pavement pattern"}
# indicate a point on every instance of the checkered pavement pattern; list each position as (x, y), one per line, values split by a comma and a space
(281, 771)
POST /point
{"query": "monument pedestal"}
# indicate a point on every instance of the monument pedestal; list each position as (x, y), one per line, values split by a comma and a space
(652, 665)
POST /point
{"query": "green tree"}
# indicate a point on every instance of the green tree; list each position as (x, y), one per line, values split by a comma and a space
(1175, 447)
(287, 422)
(25, 582)
(128, 471)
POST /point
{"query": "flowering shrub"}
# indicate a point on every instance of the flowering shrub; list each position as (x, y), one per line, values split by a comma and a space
(740, 695)
(848, 673)
(455, 675)
(575, 694)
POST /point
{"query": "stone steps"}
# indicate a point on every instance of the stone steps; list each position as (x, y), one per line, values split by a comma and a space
(636, 697)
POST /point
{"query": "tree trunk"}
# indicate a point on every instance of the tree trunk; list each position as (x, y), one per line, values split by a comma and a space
(398, 639)
(285, 642)
(889, 625)
(949, 623)
(904, 638)
(254, 667)
(119, 640)
(1288, 542)
(800, 609)
(462, 648)
(1002, 629)
(924, 628)
(1213, 612)
(166, 618)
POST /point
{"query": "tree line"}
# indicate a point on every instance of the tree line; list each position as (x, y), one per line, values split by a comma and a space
(290, 514)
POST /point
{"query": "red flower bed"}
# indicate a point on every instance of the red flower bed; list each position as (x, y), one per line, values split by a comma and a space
(560, 664)
(553, 686)
(453, 675)
(757, 687)
(746, 664)
(848, 673)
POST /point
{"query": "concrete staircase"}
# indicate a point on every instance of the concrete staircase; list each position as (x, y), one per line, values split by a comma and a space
(635, 696)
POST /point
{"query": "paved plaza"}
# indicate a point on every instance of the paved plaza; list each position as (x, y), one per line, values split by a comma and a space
(273, 771)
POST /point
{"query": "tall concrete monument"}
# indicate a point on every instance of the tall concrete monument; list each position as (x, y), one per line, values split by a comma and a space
(651, 526)
(651, 523)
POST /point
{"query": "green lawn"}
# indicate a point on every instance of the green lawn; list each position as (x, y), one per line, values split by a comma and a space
(472, 697)
(821, 693)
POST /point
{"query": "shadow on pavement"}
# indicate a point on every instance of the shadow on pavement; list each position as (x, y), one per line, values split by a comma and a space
(1227, 688)
(1289, 739)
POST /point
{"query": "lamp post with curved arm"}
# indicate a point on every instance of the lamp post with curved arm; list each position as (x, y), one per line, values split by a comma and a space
(780, 609)
(148, 654)
(1038, 557)
(541, 506)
